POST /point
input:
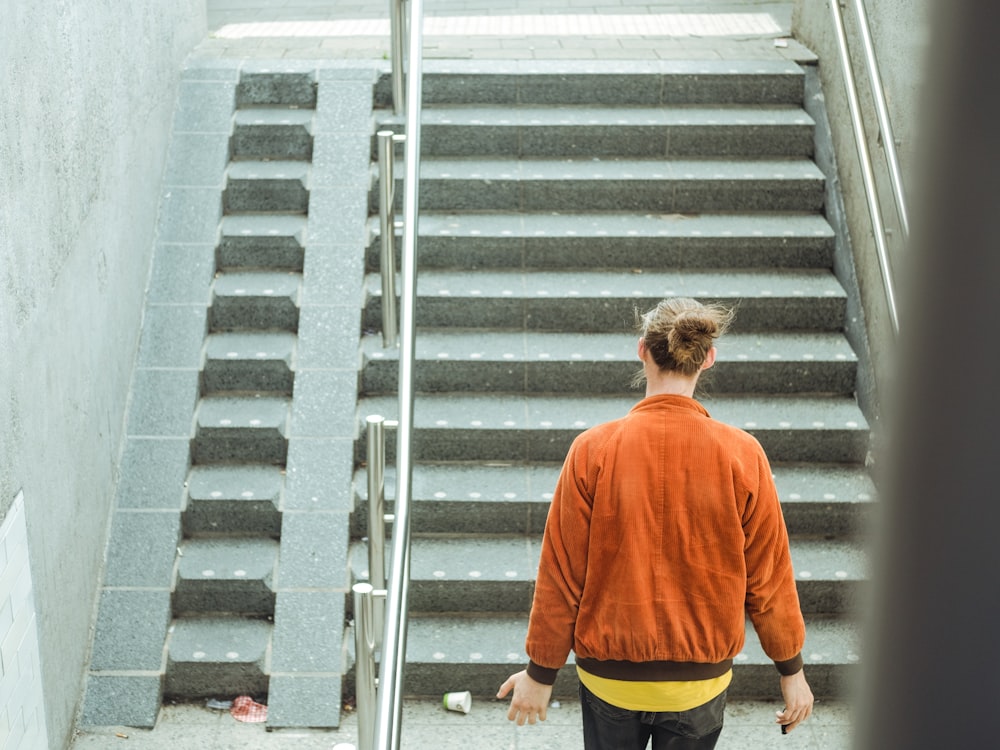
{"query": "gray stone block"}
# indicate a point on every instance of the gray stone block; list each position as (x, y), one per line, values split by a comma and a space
(130, 631)
(152, 473)
(344, 107)
(197, 160)
(122, 700)
(302, 700)
(142, 548)
(341, 159)
(328, 336)
(323, 405)
(338, 216)
(162, 403)
(333, 274)
(190, 215)
(204, 106)
(308, 632)
(172, 336)
(182, 274)
(318, 474)
(314, 551)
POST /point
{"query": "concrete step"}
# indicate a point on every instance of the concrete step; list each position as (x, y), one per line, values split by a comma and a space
(697, 186)
(217, 657)
(250, 430)
(259, 301)
(512, 497)
(589, 132)
(277, 88)
(236, 499)
(225, 576)
(619, 83)
(530, 427)
(261, 242)
(266, 186)
(248, 362)
(478, 652)
(490, 573)
(272, 133)
(533, 361)
(587, 300)
(551, 241)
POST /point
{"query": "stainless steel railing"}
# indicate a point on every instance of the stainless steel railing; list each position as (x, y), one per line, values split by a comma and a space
(861, 143)
(379, 702)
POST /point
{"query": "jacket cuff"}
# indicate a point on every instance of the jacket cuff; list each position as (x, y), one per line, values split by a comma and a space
(542, 675)
(789, 666)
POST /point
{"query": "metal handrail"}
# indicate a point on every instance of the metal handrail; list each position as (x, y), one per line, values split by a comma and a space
(390, 705)
(861, 143)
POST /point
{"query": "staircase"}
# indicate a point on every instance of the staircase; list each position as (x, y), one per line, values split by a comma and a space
(555, 200)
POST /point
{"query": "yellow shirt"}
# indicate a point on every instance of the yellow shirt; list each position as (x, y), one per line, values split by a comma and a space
(655, 696)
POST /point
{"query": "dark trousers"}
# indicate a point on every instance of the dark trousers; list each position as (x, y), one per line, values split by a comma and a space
(607, 727)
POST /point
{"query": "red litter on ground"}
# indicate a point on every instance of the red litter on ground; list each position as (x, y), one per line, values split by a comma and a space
(247, 709)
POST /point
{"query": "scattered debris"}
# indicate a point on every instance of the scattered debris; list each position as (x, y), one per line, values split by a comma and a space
(218, 705)
(247, 709)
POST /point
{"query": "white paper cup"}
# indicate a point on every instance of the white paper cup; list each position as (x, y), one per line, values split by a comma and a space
(458, 701)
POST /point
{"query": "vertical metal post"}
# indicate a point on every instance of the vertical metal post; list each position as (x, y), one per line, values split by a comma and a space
(364, 650)
(387, 227)
(376, 517)
(398, 28)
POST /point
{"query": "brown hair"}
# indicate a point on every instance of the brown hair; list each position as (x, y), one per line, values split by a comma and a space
(680, 331)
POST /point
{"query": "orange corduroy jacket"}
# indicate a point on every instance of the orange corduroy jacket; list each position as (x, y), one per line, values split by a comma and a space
(664, 534)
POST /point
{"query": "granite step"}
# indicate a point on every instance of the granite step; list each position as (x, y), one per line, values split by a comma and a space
(616, 83)
(250, 242)
(217, 657)
(249, 430)
(512, 497)
(533, 361)
(531, 427)
(225, 576)
(490, 573)
(588, 300)
(591, 132)
(259, 300)
(551, 241)
(278, 88)
(266, 186)
(643, 185)
(478, 652)
(249, 362)
(236, 499)
(272, 133)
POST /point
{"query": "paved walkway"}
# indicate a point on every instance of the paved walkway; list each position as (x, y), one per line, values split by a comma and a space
(487, 30)
(507, 29)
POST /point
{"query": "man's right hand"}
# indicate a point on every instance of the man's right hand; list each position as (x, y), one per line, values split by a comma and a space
(798, 700)
(530, 700)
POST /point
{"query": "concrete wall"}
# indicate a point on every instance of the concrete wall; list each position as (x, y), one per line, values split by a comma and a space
(900, 39)
(87, 93)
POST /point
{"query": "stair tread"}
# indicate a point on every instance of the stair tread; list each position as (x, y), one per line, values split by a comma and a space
(520, 115)
(273, 116)
(487, 639)
(519, 347)
(515, 481)
(640, 285)
(257, 283)
(525, 170)
(620, 225)
(239, 559)
(575, 412)
(251, 169)
(251, 412)
(235, 482)
(515, 558)
(251, 345)
(266, 225)
(229, 640)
